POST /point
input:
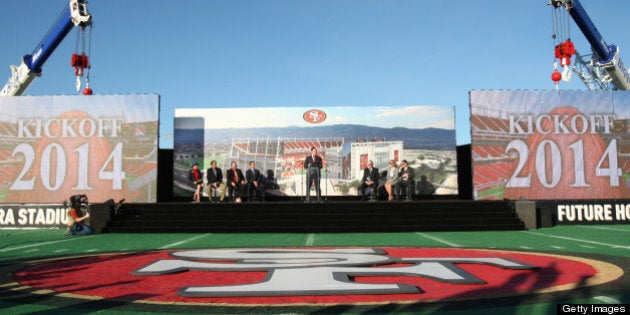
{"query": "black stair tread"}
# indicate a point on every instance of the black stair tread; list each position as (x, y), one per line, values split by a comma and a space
(429, 215)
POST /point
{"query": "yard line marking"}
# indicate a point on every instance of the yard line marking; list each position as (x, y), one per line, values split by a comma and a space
(607, 299)
(556, 247)
(62, 250)
(310, 239)
(579, 240)
(42, 243)
(606, 228)
(439, 240)
(525, 247)
(184, 241)
(31, 250)
(587, 246)
(91, 250)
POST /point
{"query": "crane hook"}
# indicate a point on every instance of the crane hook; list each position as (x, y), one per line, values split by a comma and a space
(566, 74)
(77, 84)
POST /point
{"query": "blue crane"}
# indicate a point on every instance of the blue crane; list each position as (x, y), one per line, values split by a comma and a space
(605, 57)
(75, 14)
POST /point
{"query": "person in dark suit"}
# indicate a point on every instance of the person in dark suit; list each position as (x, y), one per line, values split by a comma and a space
(406, 183)
(235, 180)
(214, 177)
(313, 166)
(254, 184)
(369, 180)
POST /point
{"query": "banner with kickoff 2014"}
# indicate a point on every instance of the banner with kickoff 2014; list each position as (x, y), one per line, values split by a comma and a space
(104, 146)
(546, 145)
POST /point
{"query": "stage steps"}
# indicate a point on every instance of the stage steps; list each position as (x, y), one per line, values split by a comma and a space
(331, 216)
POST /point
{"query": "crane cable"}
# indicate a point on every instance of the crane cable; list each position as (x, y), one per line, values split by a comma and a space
(88, 90)
(80, 60)
(556, 76)
(561, 36)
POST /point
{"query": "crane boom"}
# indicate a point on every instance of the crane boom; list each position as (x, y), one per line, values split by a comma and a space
(75, 14)
(607, 56)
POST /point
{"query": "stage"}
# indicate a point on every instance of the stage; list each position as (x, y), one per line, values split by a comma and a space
(336, 215)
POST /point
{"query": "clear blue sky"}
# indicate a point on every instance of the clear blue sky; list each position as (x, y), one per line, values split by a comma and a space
(259, 53)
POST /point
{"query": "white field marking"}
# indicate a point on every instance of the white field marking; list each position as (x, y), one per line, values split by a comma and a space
(587, 246)
(184, 241)
(525, 247)
(42, 243)
(580, 240)
(605, 228)
(556, 247)
(91, 250)
(439, 240)
(31, 250)
(62, 250)
(607, 299)
(310, 239)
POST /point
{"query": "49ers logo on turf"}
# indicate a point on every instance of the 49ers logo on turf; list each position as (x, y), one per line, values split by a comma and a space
(298, 276)
(319, 272)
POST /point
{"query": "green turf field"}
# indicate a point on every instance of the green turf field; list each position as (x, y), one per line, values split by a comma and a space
(604, 242)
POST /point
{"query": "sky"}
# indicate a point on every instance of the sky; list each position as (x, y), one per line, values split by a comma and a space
(307, 53)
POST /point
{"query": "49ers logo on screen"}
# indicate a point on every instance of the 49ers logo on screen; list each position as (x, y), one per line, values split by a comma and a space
(283, 276)
(314, 116)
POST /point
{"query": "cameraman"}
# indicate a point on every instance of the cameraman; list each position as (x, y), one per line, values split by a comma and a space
(76, 218)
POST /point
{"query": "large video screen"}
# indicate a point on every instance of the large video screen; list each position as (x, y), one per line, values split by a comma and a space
(104, 146)
(550, 144)
(278, 139)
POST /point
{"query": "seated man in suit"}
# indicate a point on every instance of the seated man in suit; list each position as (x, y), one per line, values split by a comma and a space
(406, 184)
(369, 180)
(255, 185)
(235, 180)
(214, 177)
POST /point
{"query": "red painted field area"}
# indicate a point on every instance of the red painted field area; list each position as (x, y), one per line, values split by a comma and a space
(110, 276)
